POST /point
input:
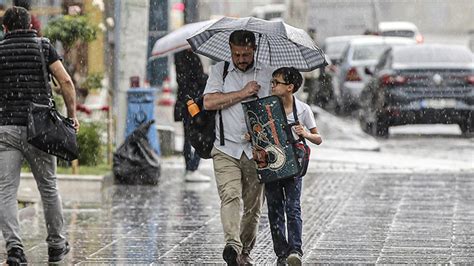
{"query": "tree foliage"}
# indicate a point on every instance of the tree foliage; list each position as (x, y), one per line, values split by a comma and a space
(93, 81)
(70, 29)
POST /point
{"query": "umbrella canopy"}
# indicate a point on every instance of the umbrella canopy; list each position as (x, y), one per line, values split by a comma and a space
(279, 44)
(175, 41)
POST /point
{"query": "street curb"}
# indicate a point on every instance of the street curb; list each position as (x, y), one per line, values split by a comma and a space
(69, 177)
(356, 139)
(71, 187)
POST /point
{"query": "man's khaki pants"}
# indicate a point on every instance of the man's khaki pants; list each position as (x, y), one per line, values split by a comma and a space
(236, 180)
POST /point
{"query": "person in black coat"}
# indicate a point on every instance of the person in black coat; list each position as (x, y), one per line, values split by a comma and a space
(23, 82)
(191, 81)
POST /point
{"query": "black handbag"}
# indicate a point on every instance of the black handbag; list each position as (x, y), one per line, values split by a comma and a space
(47, 129)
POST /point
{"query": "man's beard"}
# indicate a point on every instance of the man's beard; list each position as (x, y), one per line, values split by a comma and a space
(249, 66)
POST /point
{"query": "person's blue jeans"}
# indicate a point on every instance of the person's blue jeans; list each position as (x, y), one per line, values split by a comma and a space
(283, 197)
(190, 155)
(13, 149)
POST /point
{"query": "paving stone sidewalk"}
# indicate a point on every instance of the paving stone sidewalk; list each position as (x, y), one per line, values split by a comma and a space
(349, 217)
(411, 211)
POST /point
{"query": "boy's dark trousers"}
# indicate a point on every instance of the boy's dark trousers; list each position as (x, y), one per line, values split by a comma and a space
(284, 197)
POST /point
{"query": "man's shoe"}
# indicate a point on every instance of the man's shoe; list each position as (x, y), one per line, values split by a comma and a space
(58, 254)
(281, 261)
(294, 259)
(16, 256)
(230, 255)
(245, 259)
(195, 176)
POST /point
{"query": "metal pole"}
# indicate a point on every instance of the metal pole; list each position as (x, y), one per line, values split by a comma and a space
(110, 128)
(256, 57)
(191, 11)
(375, 15)
(157, 70)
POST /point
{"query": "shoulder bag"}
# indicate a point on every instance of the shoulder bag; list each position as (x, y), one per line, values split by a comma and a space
(47, 129)
(301, 148)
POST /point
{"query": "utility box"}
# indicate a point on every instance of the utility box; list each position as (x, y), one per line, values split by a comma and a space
(141, 108)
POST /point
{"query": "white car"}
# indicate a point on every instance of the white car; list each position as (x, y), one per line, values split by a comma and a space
(400, 29)
(357, 61)
(334, 46)
(269, 12)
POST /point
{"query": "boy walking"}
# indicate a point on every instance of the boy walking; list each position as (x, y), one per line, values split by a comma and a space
(283, 197)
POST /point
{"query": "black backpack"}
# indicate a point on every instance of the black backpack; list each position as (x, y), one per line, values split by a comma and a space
(302, 149)
(201, 128)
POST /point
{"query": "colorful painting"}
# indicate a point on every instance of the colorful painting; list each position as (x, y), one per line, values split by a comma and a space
(269, 131)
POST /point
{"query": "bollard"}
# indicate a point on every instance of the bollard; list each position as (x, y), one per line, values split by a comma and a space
(166, 98)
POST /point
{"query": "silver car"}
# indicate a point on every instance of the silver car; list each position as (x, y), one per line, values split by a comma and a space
(359, 57)
(334, 46)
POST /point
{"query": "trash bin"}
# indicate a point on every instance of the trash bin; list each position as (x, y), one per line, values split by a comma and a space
(141, 108)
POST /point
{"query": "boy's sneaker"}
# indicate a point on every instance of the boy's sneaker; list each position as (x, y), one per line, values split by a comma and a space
(230, 255)
(16, 256)
(281, 261)
(294, 259)
(58, 254)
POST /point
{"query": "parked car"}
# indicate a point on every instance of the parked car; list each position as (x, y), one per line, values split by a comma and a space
(351, 75)
(333, 47)
(322, 92)
(318, 85)
(420, 84)
(269, 12)
(400, 29)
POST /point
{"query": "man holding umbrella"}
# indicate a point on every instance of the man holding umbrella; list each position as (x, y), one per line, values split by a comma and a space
(278, 45)
(234, 168)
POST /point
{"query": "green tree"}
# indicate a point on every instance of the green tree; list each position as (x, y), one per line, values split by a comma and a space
(93, 81)
(72, 31)
(69, 30)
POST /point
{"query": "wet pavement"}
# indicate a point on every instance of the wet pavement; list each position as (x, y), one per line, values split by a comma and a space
(408, 199)
(349, 217)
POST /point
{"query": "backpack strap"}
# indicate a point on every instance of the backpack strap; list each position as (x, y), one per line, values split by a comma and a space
(295, 115)
(226, 70)
(221, 124)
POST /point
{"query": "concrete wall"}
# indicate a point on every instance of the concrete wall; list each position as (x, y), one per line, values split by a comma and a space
(234, 8)
(431, 16)
(340, 17)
